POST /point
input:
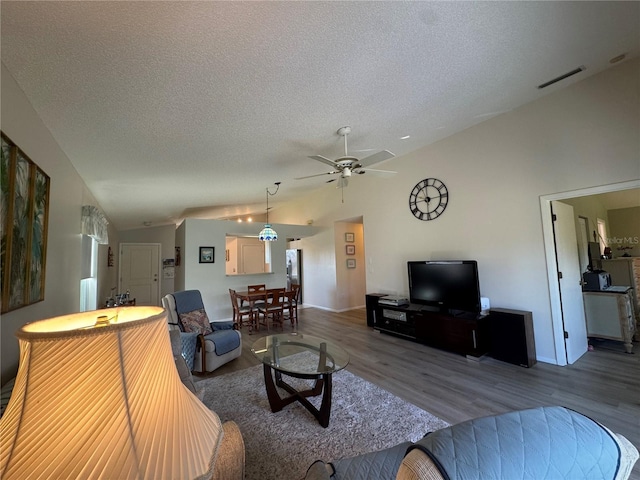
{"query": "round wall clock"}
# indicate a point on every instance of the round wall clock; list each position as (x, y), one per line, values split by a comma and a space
(428, 199)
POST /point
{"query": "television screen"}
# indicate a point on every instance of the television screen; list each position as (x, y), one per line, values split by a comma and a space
(448, 285)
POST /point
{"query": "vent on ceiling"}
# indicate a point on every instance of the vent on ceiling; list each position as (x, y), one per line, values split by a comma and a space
(562, 77)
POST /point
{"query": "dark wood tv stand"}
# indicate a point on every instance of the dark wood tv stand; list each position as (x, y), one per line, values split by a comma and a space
(464, 333)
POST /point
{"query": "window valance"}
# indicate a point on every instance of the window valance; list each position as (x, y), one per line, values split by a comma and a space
(95, 224)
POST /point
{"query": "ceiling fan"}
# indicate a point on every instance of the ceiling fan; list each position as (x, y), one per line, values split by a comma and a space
(348, 165)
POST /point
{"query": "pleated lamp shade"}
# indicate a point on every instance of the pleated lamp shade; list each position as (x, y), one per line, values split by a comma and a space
(104, 402)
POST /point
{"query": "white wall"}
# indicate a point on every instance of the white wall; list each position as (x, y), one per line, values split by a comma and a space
(624, 231)
(591, 208)
(21, 124)
(583, 136)
(211, 278)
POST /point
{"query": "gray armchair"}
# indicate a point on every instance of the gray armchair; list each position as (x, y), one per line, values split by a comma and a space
(205, 345)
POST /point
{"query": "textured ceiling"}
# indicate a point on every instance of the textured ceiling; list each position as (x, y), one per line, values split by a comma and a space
(171, 108)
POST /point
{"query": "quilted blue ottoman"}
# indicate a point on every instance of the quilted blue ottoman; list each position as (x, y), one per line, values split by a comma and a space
(549, 443)
(540, 443)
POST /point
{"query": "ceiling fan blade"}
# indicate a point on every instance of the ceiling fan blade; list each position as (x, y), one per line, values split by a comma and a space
(317, 175)
(322, 159)
(380, 173)
(376, 158)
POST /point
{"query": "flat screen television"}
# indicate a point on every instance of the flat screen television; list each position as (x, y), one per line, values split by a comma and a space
(450, 285)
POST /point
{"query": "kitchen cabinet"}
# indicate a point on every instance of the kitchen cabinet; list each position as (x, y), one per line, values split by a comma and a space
(610, 315)
(626, 271)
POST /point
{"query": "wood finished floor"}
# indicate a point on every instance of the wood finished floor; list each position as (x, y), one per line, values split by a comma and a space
(604, 384)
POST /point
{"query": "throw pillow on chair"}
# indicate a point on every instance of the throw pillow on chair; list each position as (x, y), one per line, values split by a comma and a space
(195, 321)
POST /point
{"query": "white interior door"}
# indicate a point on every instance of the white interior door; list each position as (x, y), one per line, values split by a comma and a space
(139, 272)
(569, 280)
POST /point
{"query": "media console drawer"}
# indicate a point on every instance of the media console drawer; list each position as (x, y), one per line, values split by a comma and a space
(396, 315)
(397, 328)
(396, 321)
(460, 334)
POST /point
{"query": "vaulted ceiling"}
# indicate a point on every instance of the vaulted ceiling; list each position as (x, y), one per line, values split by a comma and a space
(171, 108)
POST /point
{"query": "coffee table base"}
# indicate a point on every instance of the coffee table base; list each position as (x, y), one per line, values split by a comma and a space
(322, 385)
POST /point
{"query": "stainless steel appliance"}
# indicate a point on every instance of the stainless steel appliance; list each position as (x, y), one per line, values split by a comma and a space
(294, 269)
(595, 281)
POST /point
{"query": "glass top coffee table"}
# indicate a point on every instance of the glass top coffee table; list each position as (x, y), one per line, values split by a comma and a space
(300, 356)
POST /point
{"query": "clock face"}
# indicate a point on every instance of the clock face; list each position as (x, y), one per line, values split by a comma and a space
(428, 199)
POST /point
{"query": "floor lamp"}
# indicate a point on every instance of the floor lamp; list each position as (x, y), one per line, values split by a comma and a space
(97, 395)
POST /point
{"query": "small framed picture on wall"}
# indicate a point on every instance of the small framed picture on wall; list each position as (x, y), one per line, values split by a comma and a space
(351, 249)
(351, 263)
(349, 237)
(206, 254)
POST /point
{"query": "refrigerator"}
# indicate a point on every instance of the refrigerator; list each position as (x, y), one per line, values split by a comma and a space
(294, 269)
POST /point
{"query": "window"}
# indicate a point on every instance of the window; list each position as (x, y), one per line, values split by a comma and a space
(89, 274)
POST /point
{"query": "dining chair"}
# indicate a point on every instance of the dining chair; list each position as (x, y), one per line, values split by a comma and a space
(261, 288)
(240, 312)
(292, 298)
(273, 311)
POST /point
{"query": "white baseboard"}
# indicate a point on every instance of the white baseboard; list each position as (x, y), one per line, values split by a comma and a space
(552, 361)
(320, 308)
(335, 310)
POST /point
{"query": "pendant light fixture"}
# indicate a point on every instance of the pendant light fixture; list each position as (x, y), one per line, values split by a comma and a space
(268, 234)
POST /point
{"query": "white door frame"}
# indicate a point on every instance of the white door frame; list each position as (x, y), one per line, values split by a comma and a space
(550, 253)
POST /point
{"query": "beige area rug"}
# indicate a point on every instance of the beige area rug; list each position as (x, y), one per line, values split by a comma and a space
(282, 445)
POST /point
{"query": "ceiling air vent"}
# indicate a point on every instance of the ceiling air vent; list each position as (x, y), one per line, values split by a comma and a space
(562, 77)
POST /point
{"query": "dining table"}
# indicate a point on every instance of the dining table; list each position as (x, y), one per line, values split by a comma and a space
(251, 297)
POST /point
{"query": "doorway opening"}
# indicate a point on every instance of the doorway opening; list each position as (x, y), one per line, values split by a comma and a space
(551, 258)
(351, 285)
(294, 267)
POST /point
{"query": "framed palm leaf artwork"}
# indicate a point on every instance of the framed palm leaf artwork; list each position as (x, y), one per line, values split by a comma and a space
(24, 221)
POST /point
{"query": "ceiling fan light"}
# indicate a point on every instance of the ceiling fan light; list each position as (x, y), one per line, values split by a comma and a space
(267, 234)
